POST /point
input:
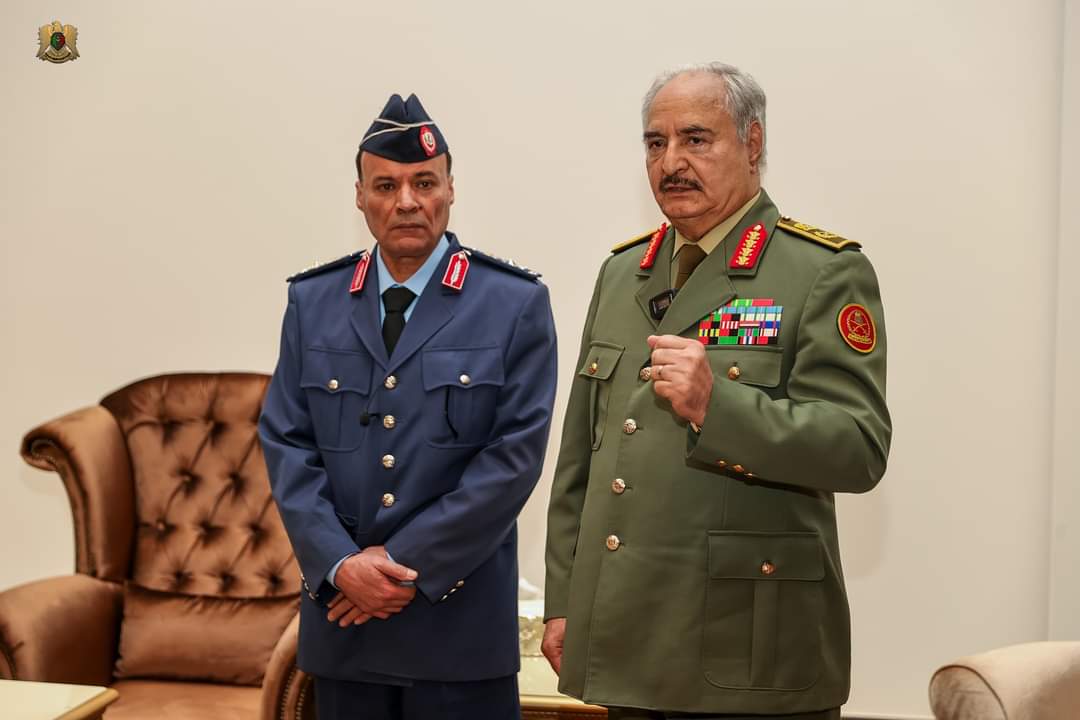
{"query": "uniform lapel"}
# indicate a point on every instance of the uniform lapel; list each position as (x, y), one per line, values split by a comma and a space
(365, 315)
(710, 285)
(657, 279)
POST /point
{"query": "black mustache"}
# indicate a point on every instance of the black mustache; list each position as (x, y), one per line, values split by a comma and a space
(671, 181)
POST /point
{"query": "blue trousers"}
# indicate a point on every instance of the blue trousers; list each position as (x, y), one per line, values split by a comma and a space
(495, 699)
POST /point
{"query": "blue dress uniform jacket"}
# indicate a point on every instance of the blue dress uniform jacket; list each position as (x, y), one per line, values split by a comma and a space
(431, 452)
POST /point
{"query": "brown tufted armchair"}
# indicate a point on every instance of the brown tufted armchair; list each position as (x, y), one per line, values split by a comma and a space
(186, 588)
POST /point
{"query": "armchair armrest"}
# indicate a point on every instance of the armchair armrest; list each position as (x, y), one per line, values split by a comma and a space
(1033, 680)
(287, 691)
(88, 451)
(62, 629)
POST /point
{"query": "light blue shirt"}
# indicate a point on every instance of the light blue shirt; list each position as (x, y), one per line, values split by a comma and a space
(417, 282)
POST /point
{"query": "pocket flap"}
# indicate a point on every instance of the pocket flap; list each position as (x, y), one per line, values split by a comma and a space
(756, 366)
(765, 556)
(601, 360)
(464, 367)
(336, 371)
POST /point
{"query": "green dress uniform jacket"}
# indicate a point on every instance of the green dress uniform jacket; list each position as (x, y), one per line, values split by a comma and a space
(701, 573)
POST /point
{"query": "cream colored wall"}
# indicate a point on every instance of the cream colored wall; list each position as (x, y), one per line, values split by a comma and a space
(157, 191)
(1065, 548)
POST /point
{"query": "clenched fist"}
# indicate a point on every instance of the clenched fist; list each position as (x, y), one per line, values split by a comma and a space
(681, 375)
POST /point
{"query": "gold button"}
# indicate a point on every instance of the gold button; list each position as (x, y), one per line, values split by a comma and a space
(465, 379)
(388, 500)
(721, 463)
(645, 374)
(332, 384)
(629, 426)
(734, 373)
(613, 542)
(767, 568)
(593, 368)
(459, 583)
(388, 461)
(737, 468)
(390, 383)
(618, 486)
(389, 422)
(750, 476)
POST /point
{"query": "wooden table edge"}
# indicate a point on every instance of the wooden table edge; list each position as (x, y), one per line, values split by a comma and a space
(93, 706)
(551, 702)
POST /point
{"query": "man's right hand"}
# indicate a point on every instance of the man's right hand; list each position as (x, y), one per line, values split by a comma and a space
(370, 581)
(552, 644)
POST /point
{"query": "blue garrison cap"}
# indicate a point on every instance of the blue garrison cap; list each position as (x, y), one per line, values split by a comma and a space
(404, 133)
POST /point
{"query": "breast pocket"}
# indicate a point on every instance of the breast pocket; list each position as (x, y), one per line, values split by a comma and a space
(463, 383)
(750, 365)
(600, 363)
(337, 384)
(764, 610)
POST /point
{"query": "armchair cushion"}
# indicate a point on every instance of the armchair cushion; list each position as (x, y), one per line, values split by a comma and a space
(169, 635)
(61, 629)
(1021, 682)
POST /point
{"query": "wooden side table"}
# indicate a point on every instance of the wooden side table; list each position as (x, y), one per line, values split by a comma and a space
(24, 700)
(545, 707)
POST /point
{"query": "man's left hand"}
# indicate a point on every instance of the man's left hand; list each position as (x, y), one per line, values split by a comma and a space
(681, 375)
(344, 613)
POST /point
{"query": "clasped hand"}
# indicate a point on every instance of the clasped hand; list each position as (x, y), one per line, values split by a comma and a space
(370, 587)
(681, 375)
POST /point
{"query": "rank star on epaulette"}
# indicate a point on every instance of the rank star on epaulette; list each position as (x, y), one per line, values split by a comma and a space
(822, 237)
(318, 269)
(503, 263)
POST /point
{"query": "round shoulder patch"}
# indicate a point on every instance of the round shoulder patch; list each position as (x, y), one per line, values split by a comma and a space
(857, 328)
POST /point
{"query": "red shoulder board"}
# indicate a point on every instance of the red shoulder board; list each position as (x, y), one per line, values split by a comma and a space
(649, 257)
(360, 274)
(456, 271)
(749, 248)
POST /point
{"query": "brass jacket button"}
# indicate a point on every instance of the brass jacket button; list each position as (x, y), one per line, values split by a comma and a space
(629, 426)
(734, 373)
(618, 486)
(388, 500)
(613, 542)
(332, 384)
(390, 382)
(388, 461)
(593, 367)
(767, 568)
(389, 422)
(465, 379)
(645, 374)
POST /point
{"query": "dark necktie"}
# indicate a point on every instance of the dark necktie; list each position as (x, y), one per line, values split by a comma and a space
(395, 301)
(690, 256)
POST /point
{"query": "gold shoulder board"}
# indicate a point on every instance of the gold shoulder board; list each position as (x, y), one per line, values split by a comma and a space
(817, 235)
(631, 243)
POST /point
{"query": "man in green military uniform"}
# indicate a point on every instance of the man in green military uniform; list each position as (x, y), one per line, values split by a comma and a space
(731, 378)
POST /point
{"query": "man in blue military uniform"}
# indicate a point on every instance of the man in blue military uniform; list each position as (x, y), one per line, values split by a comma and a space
(404, 429)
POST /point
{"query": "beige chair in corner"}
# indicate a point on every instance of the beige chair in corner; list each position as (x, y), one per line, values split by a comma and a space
(1033, 681)
(185, 589)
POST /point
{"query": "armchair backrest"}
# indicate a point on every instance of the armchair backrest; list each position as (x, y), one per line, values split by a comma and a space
(205, 522)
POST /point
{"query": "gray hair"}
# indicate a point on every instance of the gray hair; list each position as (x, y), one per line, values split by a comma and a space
(743, 99)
